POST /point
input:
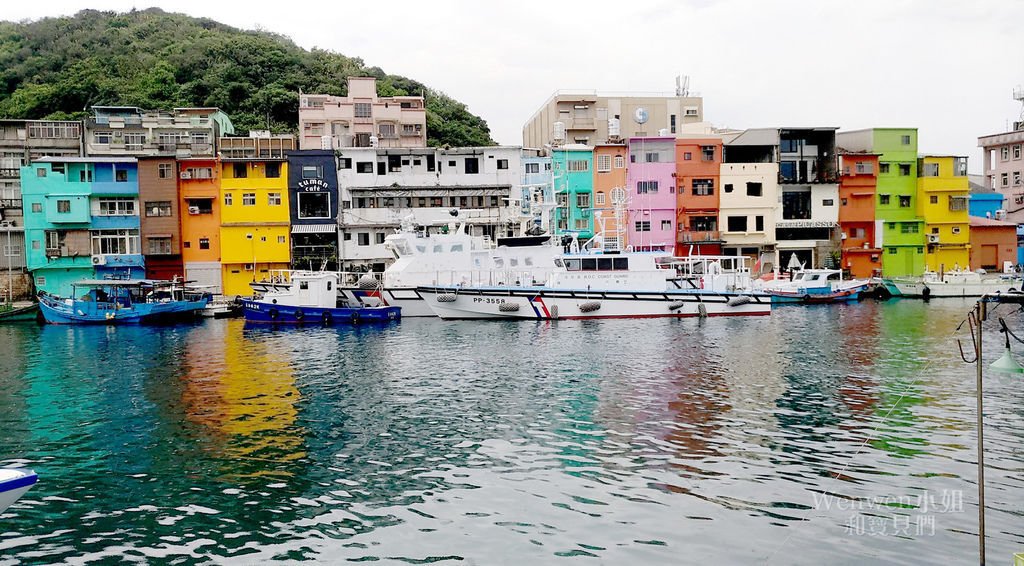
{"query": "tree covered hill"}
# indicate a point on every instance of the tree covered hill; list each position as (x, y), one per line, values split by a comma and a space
(59, 67)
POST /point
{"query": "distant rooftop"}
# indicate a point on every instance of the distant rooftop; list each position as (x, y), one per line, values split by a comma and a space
(72, 159)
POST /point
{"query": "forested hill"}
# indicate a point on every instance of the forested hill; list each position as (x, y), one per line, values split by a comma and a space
(59, 67)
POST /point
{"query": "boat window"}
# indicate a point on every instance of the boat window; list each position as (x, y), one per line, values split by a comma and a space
(558, 262)
(328, 285)
(498, 262)
(422, 249)
(456, 247)
(621, 263)
(833, 277)
(589, 264)
(604, 264)
(303, 284)
(438, 248)
(572, 265)
(513, 262)
(528, 261)
(476, 262)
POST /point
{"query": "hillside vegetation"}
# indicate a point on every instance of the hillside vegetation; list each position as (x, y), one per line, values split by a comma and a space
(59, 67)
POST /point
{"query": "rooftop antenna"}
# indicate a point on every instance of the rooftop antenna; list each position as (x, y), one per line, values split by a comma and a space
(1018, 95)
(682, 85)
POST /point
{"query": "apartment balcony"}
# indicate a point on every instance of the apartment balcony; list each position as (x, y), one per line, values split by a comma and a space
(412, 133)
(360, 120)
(699, 236)
(10, 173)
(10, 203)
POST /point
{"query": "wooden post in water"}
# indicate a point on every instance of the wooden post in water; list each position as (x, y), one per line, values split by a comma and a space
(982, 313)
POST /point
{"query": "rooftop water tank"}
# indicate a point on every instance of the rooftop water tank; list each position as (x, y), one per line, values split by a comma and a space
(614, 128)
(374, 141)
(559, 131)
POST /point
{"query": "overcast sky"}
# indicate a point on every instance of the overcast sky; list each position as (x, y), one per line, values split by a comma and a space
(946, 67)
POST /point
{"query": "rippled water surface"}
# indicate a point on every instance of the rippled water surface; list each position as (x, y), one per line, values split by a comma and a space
(831, 434)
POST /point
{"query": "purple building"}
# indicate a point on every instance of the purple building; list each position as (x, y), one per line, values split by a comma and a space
(651, 203)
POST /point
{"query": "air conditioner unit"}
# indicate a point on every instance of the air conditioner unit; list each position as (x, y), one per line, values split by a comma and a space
(99, 260)
(193, 210)
(1000, 214)
(186, 175)
(1019, 199)
(933, 238)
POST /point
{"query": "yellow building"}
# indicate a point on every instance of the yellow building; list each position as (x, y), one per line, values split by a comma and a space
(942, 197)
(254, 229)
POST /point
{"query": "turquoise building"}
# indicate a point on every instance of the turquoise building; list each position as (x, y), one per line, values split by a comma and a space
(81, 220)
(573, 178)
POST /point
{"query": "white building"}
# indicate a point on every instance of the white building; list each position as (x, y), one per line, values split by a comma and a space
(382, 186)
(749, 176)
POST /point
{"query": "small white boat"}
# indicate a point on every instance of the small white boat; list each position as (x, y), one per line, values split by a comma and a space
(14, 482)
(812, 286)
(952, 284)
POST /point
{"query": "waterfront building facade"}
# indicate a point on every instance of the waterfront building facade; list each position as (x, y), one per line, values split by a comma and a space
(1003, 157)
(537, 193)
(993, 244)
(361, 119)
(132, 131)
(807, 220)
(81, 220)
(572, 166)
(943, 192)
(254, 223)
(611, 193)
(199, 198)
(313, 208)
(698, 188)
(986, 202)
(381, 188)
(160, 217)
(651, 194)
(858, 183)
(590, 117)
(750, 195)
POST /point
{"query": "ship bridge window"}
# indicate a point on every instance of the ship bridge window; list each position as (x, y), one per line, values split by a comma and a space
(558, 262)
(528, 261)
(589, 264)
(303, 284)
(572, 265)
(456, 247)
(438, 248)
(498, 262)
(604, 264)
(421, 249)
(621, 263)
(513, 262)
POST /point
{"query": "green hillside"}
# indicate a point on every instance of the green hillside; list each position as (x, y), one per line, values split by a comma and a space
(59, 67)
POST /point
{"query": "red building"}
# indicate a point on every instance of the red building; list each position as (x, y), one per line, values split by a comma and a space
(698, 162)
(992, 244)
(858, 184)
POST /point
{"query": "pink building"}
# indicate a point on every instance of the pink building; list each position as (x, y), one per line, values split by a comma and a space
(361, 119)
(651, 189)
(1003, 156)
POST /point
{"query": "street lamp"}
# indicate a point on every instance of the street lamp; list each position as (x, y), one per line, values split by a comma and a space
(1007, 364)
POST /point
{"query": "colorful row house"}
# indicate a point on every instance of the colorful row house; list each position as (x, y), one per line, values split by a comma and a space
(858, 184)
(611, 194)
(698, 169)
(651, 194)
(573, 180)
(943, 193)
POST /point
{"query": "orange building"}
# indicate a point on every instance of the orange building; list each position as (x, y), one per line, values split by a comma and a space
(992, 243)
(698, 162)
(199, 191)
(610, 174)
(858, 184)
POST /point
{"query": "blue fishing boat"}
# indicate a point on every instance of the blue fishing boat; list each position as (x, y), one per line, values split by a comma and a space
(123, 301)
(816, 286)
(312, 298)
(14, 482)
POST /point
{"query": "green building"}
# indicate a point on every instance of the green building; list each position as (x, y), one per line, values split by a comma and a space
(901, 230)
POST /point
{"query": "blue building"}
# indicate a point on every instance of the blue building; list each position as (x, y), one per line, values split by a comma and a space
(313, 201)
(984, 202)
(81, 220)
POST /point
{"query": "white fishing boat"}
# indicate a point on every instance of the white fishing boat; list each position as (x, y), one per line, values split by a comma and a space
(14, 482)
(812, 286)
(610, 285)
(957, 283)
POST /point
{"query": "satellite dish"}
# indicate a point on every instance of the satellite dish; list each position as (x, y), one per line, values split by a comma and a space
(640, 115)
(618, 195)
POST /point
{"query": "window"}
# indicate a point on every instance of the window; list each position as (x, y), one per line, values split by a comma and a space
(909, 227)
(1016, 178)
(198, 173)
(228, 199)
(892, 251)
(101, 138)
(935, 230)
(642, 225)
(312, 172)
(599, 198)
(905, 140)
(117, 207)
(957, 203)
(240, 170)
(727, 187)
(787, 170)
(41, 172)
(904, 169)
(344, 163)
(759, 223)
(158, 246)
(955, 229)
(503, 164)
(314, 205)
(363, 238)
(134, 141)
(687, 156)
(883, 199)
(579, 165)
(934, 199)
(583, 200)
(158, 208)
(121, 176)
(789, 145)
(199, 137)
(1004, 153)
(644, 187)
(363, 110)
(1005, 179)
(248, 199)
(865, 167)
(827, 202)
(37, 207)
(796, 205)
(386, 131)
(651, 157)
(736, 223)
(379, 237)
(532, 168)
(844, 202)
(85, 176)
(204, 243)
(1016, 151)
(12, 250)
(472, 166)
(929, 170)
(274, 199)
(753, 189)
(704, 223)
(54, 241)
(582, 224)
(904, 201)
(604, 163)
(117, 242)
(707, 153)
(272, 170)
(281, 240)
(703, 187)
(165, 171)
(620, 162)
(883, 168)
(666, 225)
(364, 167)
(672, 123)
(64, 206)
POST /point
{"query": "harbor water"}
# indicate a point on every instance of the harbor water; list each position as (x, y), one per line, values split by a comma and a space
(838, 434)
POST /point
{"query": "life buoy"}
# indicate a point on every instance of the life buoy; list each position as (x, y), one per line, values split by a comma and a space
(273, 314)
(326, 318)
(355, 317)
(299, 315)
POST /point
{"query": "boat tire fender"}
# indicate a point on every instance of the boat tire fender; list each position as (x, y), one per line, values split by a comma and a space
(273, 314)
(299, 315)
(355, 318)
(326, 318)
(807, 298)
